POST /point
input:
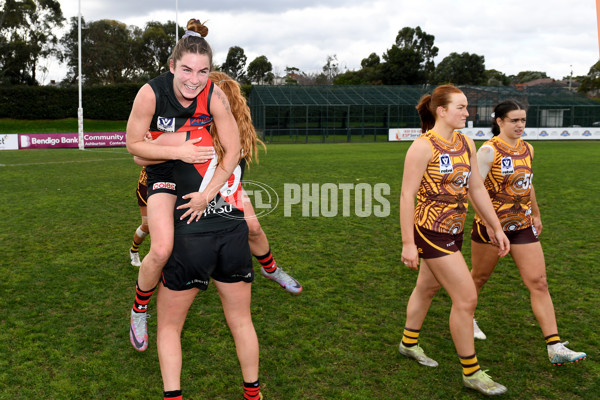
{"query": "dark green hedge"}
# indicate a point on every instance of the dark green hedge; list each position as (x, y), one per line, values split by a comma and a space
(46, 102)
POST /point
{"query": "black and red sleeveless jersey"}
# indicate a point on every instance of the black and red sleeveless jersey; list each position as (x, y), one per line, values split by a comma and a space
(171, 116)
(225, 210)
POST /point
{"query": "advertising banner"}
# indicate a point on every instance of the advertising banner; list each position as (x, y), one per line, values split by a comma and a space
(575, 133)
(65, 140)
(9, 141)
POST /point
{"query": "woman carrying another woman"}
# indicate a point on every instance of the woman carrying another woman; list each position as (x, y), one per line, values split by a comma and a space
(440, 170)
(216, 246)
(505, 163)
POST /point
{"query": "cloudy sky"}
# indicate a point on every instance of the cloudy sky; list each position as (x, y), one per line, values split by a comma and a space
(514, 35)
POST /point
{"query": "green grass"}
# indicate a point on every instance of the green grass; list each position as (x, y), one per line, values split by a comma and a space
(68, 217)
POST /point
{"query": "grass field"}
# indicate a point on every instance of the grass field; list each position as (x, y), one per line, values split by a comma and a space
(68, 217)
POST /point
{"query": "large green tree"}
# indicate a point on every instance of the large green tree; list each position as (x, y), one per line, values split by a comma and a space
(590, 84)
(111, 52)
(235, 63)
(461, 69)
(260, 70)
(410, 59)
(27, 36)
(157, 44)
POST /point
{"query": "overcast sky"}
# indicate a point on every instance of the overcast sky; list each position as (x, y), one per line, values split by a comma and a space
(512, 35)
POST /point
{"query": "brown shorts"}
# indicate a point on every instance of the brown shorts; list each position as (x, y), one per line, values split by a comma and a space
(142, 195)
(522, 236)
(432, 244)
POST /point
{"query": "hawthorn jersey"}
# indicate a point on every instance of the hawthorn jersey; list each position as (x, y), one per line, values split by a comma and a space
(142, 180)
(442, 197)
(225, 210)
(509, 183)
(171, 116)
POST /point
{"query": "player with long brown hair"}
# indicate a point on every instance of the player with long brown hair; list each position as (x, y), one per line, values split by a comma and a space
(440, 171)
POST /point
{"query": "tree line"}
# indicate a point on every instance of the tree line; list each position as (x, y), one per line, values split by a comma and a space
(113, 52)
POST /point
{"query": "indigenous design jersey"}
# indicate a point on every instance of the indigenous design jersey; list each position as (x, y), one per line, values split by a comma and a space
(143, 179)
(442, 197)
(225, 210)
(509, 183)
(171, 116)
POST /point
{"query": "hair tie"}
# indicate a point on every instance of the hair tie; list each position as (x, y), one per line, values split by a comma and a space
(493, 115)
(191, 33)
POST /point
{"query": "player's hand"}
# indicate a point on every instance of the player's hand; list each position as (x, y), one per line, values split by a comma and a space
(537, 224)
(499, 239)
(148, 137)
(410, 256)
(192, 154)
(195, 207)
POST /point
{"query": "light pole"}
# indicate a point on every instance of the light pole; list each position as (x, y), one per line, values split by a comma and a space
(80, 108)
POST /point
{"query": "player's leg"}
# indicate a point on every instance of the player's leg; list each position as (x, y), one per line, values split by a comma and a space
(236, 298)
(138, 237)
(172, 308)
(161, 224)
(484, 258)
(416, 311)
(530, 260)
(261, 250)
(452, 273)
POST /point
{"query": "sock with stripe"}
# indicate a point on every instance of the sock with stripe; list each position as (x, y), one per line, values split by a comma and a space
(410, 337)
(173, 395)
(469, 364)
(141, 299)
(552, 339)
(252, 390)
(267, 262)
(135, 247)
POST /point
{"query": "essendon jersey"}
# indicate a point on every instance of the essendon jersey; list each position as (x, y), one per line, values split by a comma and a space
(225, 210)
(509, 183)
(171, 116)
(442, 197)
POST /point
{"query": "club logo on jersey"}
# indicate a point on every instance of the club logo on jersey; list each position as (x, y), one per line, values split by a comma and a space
(165, 124)
(446, 164)
(200, 120)
(506, 166)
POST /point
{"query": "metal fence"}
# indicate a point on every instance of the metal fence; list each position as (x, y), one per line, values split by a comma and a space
(306, 114)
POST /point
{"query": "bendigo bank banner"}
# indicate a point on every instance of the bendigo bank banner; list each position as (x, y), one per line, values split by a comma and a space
(62, 140)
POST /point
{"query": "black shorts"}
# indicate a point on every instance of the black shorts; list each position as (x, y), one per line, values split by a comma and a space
(432, 244)
(160, 178)
(197, 257)
(521, 236)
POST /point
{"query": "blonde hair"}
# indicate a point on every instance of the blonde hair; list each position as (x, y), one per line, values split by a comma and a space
(241, 113)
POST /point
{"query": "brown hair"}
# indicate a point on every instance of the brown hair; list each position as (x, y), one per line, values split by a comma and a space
(429, 103)
(241, 113)
(193, 44)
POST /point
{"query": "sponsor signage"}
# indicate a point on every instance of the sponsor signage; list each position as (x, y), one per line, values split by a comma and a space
(9, 141)
(62, 140)
(529, 134)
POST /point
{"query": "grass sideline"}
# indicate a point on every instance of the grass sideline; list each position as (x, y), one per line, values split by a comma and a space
(68, 218)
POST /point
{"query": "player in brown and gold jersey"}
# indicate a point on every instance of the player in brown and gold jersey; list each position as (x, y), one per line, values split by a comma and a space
(441, 170)
(505, 164)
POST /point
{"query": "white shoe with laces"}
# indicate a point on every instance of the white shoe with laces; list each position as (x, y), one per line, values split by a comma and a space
(478, 333)
(558, 354)
(135, 258)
